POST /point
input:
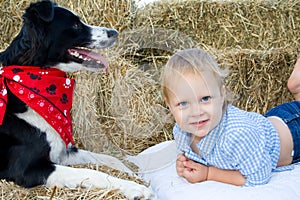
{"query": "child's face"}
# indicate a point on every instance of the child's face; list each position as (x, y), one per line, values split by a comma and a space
(196, 102)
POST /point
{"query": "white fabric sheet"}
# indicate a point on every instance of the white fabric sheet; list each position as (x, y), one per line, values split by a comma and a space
(157, 166)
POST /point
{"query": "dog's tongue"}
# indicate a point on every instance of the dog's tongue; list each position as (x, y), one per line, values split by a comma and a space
(98, 57)
(92, 55)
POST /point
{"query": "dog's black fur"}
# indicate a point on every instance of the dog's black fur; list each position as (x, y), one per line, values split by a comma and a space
(29, 156)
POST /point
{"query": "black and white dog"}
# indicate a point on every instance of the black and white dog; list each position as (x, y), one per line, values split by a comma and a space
(36, 144)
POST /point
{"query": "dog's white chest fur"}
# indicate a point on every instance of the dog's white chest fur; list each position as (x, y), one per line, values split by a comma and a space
(58, 148)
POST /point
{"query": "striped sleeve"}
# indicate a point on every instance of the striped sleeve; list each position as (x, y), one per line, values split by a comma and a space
(247, 154)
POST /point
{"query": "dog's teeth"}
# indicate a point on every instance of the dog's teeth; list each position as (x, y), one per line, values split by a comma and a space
(78, 55)
(75, 54)
(99, 62)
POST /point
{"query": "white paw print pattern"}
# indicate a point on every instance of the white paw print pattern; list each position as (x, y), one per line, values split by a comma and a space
(58, 116)
(4, 92)
(41, 103)
(21, 91)
(17, 78)
(50, 109)
(66, 121)
(59, 129)
(31, 96)
(68, 83)
(53, 122)
(43, 73)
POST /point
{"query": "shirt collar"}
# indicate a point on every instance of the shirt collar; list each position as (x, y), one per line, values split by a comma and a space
(207, 144)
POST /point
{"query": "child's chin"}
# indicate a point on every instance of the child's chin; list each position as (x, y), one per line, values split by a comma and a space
(200, 133)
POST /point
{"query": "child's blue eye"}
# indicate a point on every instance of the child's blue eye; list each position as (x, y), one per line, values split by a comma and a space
(206, 99)
(183, 104)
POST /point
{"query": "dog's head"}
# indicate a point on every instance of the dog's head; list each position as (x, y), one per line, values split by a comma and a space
(54, 36)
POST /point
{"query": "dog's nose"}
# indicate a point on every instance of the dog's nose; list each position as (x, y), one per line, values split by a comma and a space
(112, 33)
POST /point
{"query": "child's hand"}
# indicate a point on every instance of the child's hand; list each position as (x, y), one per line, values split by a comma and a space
(192, 171)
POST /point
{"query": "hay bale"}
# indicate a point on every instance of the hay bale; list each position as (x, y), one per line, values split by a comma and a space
(124, 106)
(252, 24)
(259, 78)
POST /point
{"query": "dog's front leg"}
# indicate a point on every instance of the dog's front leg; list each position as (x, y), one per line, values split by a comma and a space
(80, 156)
(78, 177)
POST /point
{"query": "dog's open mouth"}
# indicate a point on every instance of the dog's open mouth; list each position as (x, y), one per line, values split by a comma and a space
(89, 57)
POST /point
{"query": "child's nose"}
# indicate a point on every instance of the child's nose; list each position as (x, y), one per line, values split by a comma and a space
(196, 110)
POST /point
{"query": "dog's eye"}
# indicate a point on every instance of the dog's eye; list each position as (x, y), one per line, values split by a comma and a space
(77, 26)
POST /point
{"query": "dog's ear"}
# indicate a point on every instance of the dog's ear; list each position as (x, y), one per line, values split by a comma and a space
(43, 10)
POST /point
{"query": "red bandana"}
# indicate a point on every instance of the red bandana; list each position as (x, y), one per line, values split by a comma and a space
(48, 91)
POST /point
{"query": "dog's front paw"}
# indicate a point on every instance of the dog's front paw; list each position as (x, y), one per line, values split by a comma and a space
(134, 190)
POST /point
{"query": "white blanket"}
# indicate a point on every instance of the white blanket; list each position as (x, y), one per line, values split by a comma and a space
(157, 166)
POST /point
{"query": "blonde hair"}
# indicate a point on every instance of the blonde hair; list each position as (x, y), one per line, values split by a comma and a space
(196, 60)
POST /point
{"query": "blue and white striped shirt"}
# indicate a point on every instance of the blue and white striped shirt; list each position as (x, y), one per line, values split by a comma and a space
(244, 141)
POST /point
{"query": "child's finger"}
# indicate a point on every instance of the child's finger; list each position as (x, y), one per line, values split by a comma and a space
(191, 164)
(181, 157)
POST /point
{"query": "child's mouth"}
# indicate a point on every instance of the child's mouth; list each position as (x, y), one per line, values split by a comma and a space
(199, 124)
